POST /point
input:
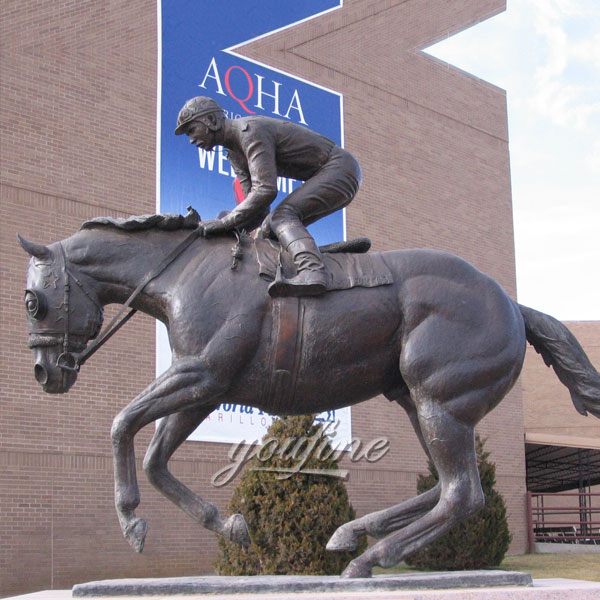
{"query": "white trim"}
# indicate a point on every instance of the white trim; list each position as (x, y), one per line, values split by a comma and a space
(342, 140)
(158, 99)
(263, 35)
(342, 144)
(231, 50)
(276, 70)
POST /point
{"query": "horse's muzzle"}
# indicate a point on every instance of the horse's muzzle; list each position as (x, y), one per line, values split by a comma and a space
(50, 373)
(41, 374)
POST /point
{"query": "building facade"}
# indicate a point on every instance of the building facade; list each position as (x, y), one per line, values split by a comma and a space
(78, 122)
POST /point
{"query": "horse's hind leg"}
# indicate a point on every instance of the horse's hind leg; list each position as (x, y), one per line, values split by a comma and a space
(451, 443)
(383, 522)
(170, 434)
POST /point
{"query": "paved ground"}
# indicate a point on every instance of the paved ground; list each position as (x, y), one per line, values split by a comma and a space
(543, 589)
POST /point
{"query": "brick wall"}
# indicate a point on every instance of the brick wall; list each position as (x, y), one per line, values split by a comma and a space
(78, 140)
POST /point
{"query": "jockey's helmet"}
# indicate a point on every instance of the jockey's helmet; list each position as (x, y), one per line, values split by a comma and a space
(193, 108)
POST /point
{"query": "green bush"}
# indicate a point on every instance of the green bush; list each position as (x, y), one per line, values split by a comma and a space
(478, 542)
(290, 520)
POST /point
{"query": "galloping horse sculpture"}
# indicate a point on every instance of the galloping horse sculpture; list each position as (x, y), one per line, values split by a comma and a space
(442, 340)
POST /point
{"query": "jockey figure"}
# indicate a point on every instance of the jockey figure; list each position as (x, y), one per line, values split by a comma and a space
(260, 149)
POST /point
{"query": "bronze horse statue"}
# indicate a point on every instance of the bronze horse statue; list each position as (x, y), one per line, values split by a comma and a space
(443, 340)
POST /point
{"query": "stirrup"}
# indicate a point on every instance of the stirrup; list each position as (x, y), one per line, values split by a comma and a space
(305, 283)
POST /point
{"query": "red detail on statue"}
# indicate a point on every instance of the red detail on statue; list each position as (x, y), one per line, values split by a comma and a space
(238, 193)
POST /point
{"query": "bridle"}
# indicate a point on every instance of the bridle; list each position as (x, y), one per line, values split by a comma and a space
(67, 360)
(43, 336)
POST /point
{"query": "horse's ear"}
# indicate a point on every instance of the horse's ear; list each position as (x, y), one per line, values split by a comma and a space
(192, 218)
(37, 250)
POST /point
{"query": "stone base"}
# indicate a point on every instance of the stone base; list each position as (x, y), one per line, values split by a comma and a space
(264, 584)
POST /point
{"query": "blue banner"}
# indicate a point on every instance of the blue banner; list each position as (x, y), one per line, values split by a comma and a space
(197, 57)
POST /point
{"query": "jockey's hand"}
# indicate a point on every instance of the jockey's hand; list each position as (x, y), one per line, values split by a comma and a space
(213, 227)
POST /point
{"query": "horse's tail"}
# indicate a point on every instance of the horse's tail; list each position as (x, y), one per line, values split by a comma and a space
(561, 351)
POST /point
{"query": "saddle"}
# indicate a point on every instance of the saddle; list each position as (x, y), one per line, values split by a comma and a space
(347, 264)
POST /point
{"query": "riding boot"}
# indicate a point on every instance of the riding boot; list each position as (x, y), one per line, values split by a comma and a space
(310, 279)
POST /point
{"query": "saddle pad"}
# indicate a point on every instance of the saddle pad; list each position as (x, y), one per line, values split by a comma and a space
(344, 270)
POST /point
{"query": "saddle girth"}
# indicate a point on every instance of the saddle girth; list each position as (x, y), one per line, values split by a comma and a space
(286, 352)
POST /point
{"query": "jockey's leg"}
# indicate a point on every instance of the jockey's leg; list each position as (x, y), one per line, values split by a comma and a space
(310, 278)
(329, 189)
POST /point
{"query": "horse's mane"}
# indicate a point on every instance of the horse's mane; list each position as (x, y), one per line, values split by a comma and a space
(162, 222)
(173, 222)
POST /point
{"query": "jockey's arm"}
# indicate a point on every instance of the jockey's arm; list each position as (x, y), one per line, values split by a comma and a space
(242, 174)
(257, 202)
(259, 183)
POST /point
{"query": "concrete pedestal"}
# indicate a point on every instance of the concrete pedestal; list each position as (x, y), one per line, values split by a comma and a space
(270, 584)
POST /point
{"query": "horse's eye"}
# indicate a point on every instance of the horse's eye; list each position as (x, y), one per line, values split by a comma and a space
(35, 305)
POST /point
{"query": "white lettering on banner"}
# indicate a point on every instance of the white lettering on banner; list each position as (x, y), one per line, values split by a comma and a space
(231, 115)
(212, 67)
(243, 91)
(275, 95)
(235, 422)
(206, 159)
(222, 160)
(286, 184)
(296, 106)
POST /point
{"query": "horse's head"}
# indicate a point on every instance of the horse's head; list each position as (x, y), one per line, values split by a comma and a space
(62, 314)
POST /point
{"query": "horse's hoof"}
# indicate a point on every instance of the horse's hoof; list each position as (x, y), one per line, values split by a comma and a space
(357, 570)
(342, 540)
(135, 534)
(236, 530)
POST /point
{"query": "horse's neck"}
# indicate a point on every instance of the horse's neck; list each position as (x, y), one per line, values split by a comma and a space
(117, 261)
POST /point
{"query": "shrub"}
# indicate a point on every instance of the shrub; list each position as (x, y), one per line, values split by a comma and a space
(478, 542)
(290, 520)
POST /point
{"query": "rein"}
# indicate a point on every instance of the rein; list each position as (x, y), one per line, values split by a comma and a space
(71, 362)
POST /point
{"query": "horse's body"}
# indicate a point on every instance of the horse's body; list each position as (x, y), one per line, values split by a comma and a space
(443, 340)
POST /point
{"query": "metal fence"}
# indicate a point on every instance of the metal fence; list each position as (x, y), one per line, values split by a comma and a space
(563, 518)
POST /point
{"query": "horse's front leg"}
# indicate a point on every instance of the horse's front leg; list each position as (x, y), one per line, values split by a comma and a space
(170, 434)
(186, 383)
